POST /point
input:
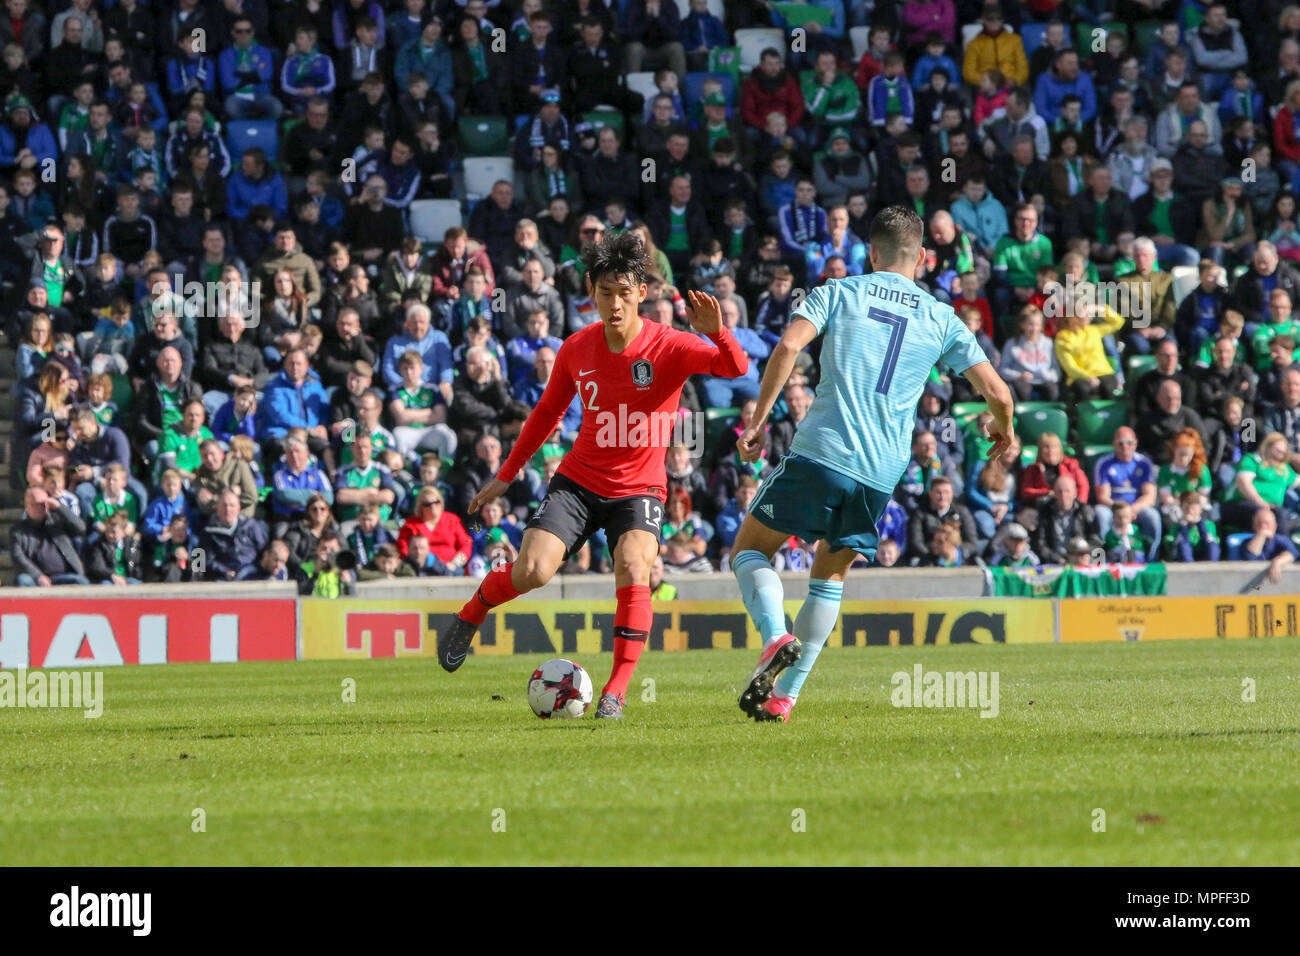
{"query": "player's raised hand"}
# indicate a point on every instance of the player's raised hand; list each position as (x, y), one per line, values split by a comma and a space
(705, 313)
(1002, 443)
(493, 490)
(752, 442)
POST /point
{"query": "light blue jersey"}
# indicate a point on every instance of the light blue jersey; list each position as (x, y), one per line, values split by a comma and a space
(884, 334)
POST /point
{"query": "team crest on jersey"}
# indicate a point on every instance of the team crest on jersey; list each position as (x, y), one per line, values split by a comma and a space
(643, 373)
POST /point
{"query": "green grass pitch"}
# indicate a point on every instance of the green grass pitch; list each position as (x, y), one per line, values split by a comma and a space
(430, 768)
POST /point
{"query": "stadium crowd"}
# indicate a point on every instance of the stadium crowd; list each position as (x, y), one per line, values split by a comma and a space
(240, 354)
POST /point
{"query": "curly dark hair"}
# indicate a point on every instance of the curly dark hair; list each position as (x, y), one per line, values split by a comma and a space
(619, 254)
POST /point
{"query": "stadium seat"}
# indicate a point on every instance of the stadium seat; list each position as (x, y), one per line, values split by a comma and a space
(725, 59)
(1032, 424)
(431, 218)
(1135, 368)
(1234, 543)
(600, 118)
(483, 135)
(1144, 35)
(1089, 457)
(693, 90)
(1083, 34)
(1039, 406)
(717, 421)
(754, 40)
(860, 37)
(1031, 35)
(1186, 278)
(1097, 421)
(482, 171)
(242, 135)
(642, 82)
(966, 410)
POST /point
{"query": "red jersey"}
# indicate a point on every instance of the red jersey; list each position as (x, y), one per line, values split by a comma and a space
(629, 403)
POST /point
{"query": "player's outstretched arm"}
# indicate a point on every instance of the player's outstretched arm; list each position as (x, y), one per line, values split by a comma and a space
(798, 334)
(991, 387)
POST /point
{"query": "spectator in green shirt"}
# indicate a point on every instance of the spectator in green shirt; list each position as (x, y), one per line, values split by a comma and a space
(1263, 479)
(1016, 259)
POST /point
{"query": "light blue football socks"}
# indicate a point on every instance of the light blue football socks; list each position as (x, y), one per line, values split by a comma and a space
(761, 590)
(816, 620)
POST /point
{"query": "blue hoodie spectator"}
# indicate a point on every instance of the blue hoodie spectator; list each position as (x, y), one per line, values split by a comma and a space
(286, 405)
(1051, 90)
(403, 181)
(225, 426)
(893, 524)
(256, 59)
(244, 192)
(342, 35)
(301, 71)
(39, 138)
(162, 509)
(434, 348)
(1249, 104)
(188, 73)
(928, 64)
(702, 30)
(433, 61)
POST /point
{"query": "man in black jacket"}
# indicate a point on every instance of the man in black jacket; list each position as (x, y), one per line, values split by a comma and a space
(1167, 419)
(231, 544)
(96, 447)
(593, 72)
(678, 225)
(494, 219)
(1225, 377)
(1148, 385)
(537, 65)
(166, 333)
(180, 229)
(114, 557)
(1021, 175)
(229, 361)
(1062, 519)
(45, 543)
(343, 349)
(1099, 213)
(610, 173)
(1248, 295)
(934, 510)
(159, 401)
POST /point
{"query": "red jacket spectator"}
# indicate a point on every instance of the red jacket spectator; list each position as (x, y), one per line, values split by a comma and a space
(760, 95)
(1285, 142)
(1035, 486)
(447, 536)
(448, 269)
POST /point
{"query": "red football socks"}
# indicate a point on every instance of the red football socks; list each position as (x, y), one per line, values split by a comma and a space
(632, 623)
(495, 589)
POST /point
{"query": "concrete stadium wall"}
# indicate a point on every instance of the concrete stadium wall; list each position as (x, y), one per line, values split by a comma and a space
(1184, 580)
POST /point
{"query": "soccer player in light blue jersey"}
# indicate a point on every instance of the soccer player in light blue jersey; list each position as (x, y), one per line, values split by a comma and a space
(883, 336)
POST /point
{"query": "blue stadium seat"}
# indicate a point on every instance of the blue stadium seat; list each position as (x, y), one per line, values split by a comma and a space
(1031, 35)
(1234, 542)
(242, 135)
(692, 91)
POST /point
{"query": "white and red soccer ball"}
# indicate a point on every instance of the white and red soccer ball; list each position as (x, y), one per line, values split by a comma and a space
(559, 688)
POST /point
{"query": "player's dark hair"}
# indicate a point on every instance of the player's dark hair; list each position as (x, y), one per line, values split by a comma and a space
(896, 234)
(619, 254)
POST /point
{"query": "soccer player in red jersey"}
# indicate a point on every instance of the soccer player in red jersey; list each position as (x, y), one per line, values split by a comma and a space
(629, 375)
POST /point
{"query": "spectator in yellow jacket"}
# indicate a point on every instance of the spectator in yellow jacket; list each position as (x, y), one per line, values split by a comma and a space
(995, 49)
(1079, 346)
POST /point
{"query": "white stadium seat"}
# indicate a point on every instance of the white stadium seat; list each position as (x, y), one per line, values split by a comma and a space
(754, 40)
(482, 171)
(431, 218)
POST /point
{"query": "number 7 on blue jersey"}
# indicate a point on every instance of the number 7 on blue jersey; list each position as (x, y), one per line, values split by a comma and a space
(897, 326)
